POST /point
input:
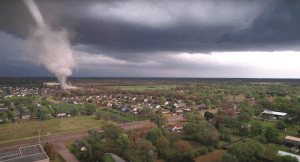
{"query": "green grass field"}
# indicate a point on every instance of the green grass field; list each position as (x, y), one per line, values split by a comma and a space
(62, 108)
(29, 129)
(74, 105)
(127, 118)
(145, 87)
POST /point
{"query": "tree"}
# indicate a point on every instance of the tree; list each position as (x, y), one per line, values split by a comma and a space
(93, 132)
(153, 135)
(257, 127)
(228, 158)
(244, 129)
(271, 134)
(159, 119)
(162, 144)
(98, 115)
(4, 117)
(173, 137)
(75, 112)
(51, 151)
(146, 110)
(108, 158)
(182, 147)
(207, 134)
(246, 151)
(90, 109)
(230, 122)
(286, 158)
(281, 124)
(114, 106)
(207, 102)
(208, 115)
(111, 131)
(244, 117)
(42, 113)
(123, 144)
(190, 129)
(196, 116)
(219, 118)
(145, 151)
(188, 116)
(223, 130)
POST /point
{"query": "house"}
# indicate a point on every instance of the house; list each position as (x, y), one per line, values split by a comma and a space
(60, 113)
(4, 109)
(26, 115)
(80, 145)
(156, 106)
(177, 110)
(293, 140)
(133, 110)
(202, 106)
(185, 109)
(282, 153)
(123, 108)
(176, 126)
(2, 103)
(1, 119)
(173, 104)
(165, 111)
(277, 115)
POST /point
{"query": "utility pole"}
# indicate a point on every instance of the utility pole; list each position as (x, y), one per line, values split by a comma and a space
(15, 130)
(39, 135)
(60, 120)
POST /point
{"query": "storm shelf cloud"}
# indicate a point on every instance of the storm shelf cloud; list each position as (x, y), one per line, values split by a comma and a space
(207, 38)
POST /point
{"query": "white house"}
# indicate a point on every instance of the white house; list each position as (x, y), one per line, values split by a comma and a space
(277, 115)
(293, 140)
(177, 126)
(60, 113)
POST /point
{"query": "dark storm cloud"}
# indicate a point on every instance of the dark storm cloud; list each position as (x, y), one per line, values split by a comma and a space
(112, 28)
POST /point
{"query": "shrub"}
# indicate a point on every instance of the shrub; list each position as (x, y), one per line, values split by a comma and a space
(204, 150)
(211, 149)
(228, 139)
(196, 153)
(289, 144)
(217, 146)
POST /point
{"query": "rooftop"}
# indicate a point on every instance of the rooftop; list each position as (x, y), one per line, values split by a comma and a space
(274, 113)
(24, 154)
(292, 138)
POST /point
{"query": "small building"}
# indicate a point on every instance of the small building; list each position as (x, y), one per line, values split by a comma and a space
(293, 140)
(4, 109)
(277, 115)
(26, 115)
(60, 113)
(282, 153)
(177, 110)
(165, 111)
(176, 126)
(1, 119)
(80, 145)
(34, 153)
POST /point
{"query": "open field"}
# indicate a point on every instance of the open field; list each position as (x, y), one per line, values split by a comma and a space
(214, 156)
(55, 126)
(73, 105)
(62, 108)
(144, 87)
(123, 117)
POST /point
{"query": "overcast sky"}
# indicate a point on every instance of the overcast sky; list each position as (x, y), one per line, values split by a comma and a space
(171, 38)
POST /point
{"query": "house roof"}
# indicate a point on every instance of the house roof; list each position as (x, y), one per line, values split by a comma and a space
(292, 138)
(274, 113)
(286, 153)
(28, 154)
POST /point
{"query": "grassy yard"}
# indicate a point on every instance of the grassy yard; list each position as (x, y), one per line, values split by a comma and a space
(29, 129)
(74, 105)
(123, 117)
(61, 108)
(70, 145)
(144, 87)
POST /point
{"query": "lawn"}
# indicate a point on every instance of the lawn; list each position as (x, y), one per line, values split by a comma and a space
(74, 105)
(123, 117)
(144, 87)
(214, 156)
(55, 126)
(62, 108)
